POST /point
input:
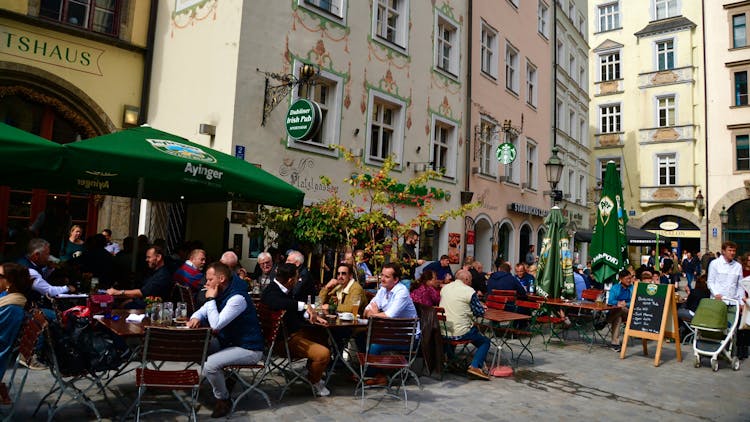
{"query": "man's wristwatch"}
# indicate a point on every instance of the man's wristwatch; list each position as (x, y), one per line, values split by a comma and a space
(122, 292)
(210, 299)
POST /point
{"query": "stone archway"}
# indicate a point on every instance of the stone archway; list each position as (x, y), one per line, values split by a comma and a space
(714, 221)
(677, 212)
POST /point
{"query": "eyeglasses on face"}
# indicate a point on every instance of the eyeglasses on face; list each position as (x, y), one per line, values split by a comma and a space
(265, 263)
(342, 273)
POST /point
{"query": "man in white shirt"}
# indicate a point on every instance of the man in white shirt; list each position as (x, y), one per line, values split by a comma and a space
(112, 246)
(724, 275)
(36, 261)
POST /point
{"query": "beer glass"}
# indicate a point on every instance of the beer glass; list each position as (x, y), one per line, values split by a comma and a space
(180, 314)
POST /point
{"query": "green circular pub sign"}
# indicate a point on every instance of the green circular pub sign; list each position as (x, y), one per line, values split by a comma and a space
(303, 119)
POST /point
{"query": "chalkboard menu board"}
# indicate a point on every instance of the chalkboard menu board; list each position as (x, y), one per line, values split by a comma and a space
(648, 307)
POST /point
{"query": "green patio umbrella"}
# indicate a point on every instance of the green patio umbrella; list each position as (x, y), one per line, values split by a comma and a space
(555, 269)
(27, 159)
(609, 242)
(144, 162)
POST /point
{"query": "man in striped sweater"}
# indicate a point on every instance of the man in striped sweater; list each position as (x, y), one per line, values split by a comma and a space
(190, 273)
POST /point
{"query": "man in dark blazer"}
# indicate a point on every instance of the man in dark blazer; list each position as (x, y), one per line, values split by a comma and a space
(303, 337)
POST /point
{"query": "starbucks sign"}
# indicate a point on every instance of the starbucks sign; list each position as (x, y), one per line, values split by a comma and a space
(303, 119)
(506, 153)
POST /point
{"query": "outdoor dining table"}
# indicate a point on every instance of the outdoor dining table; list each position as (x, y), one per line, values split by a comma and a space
(502, 316)
(349, 329)
(579, 306)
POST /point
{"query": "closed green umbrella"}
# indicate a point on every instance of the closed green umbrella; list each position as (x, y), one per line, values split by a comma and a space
(144, 162)
(26, 159)
(609, 242)
(555, 269)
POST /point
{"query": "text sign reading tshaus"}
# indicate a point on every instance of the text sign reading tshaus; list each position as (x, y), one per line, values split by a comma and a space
(648, 307)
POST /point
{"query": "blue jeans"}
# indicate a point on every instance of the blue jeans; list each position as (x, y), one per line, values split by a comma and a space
(482, 344)
(690, 277)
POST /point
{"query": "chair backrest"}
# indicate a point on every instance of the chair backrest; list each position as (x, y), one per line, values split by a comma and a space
(591, 294)
(185, 295)
(528, 304)
(504, 292)
(440, 314)
(176, 344)
(498, 302)
(30, 333)
(270, 323)
(392, 332)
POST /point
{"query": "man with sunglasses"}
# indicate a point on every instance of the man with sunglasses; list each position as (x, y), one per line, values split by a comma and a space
(343, 290)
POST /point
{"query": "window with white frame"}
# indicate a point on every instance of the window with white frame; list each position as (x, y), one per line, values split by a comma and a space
(514, 3)
(665, 55)
(571, 10)
(667, 169)
(487, 145)
(740, 88)
(582, 82)
(609, 66)
(572, 124)
(582, 189)
(332, 8)
(739, 30)
(531, 166)
(447, 43)
(327, 92)
(572, 70)
(513, 170)
(559, 114)
(665, 109)
(531, 84)
(582, 132)
(444, 143)
(665, 9)
(602, 166)
(560, 52)
(391, 20)
(581, 24)
(542, 19)
(571, 185)
(742, 152)
(386, 127)
(489, 50)
(511, 67)
(609, 118)
(609, 16)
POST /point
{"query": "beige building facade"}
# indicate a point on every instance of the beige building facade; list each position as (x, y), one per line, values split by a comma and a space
(648, 112)
(728, 128)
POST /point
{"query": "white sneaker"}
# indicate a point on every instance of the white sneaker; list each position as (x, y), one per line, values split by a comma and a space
(320, 389)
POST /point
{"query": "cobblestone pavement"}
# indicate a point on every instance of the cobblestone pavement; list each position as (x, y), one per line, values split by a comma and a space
(564, 383)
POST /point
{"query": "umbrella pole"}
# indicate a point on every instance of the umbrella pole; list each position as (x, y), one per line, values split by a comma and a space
(136, 211)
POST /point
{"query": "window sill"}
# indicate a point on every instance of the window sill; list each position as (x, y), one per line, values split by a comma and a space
(446, 73)
(489, 76)
(739, 106)
(511, 92)
(402, 50)
(531, 106)
(608, 30)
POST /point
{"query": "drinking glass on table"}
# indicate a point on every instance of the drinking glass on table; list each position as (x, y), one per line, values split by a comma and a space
(167, 313)
(156, 313)
(180, 313)
(355, 308)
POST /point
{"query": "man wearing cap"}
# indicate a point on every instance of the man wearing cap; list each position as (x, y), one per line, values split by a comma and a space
(580, 281)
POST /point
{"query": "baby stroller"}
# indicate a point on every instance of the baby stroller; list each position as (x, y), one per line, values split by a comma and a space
(716, 331)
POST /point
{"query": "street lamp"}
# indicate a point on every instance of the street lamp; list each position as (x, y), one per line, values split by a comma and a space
(554, 168)
(700, 202)
(724, 218)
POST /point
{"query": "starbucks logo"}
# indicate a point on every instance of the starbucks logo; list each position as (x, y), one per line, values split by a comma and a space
(506, 153)
(177, 149)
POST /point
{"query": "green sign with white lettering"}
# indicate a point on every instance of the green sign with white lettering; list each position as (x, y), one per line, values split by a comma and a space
(303, 119)
(506, 153)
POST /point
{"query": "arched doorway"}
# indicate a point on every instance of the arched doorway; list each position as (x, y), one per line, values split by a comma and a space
(26, 213)
(685, 235)
(504, 241)
(737, 228)
(524, 241)
(483, 243)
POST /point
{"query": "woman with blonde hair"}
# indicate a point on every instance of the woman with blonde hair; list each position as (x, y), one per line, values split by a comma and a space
(73, 245)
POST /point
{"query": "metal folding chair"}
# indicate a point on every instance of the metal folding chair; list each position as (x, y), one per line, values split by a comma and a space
(461, 356)
(270, 323)
(184, 294)
(399, 333)
(10, 393)
(162, 345)
(285, 364)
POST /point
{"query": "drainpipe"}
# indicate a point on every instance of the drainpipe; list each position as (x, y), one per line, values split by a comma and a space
(148, 62)
(554, 74)
(705, 124)
(467, 159)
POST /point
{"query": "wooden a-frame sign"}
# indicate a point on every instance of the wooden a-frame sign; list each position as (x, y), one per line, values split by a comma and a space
(652, 316)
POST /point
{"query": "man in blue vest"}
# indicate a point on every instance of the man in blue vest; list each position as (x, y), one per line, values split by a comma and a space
(230, 313)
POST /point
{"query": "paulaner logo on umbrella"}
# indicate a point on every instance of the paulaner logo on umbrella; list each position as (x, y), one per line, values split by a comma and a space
(181, 150)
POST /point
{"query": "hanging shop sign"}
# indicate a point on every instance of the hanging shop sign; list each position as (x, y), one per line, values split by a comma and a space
(303, 119)
(527, 209)
(506, 153)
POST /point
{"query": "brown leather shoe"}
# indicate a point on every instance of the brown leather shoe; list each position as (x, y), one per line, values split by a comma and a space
(221, 408)
(379, 379)
(477, 373)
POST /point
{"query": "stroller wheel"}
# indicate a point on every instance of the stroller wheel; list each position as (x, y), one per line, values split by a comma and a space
(735, 364)
(697, 363)
(715, 364)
